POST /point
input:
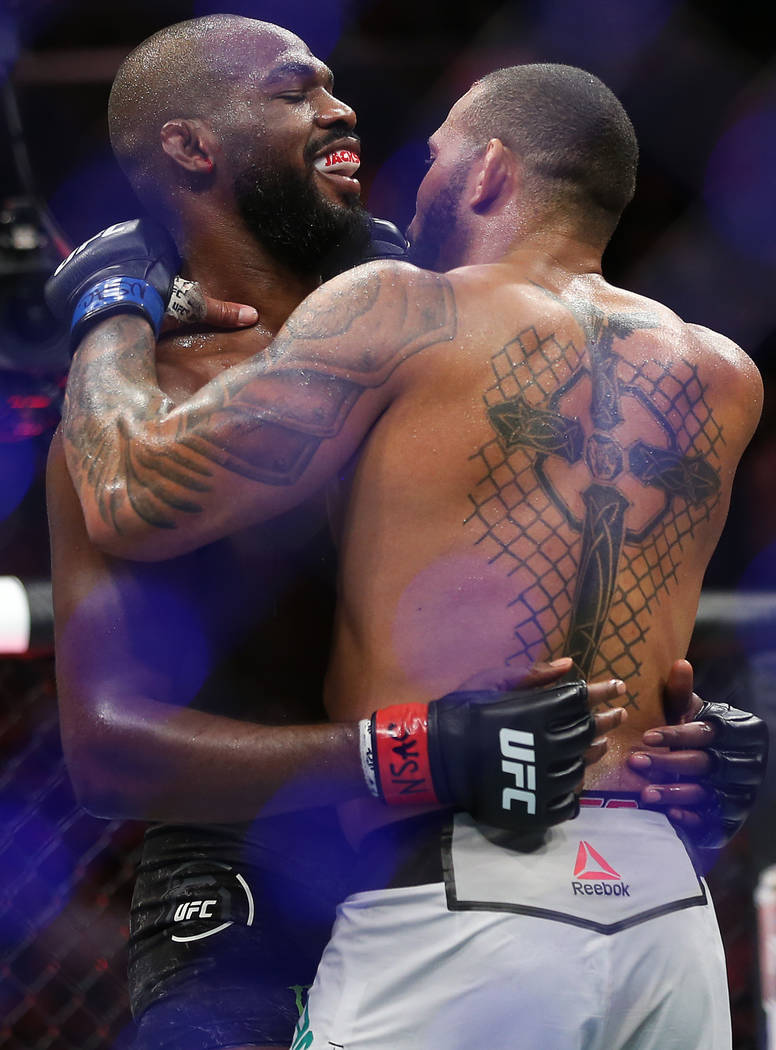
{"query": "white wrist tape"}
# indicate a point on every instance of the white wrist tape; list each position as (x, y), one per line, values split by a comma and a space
(187, 302)
(367, 755)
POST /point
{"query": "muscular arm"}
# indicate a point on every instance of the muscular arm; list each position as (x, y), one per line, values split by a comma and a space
(157, 479)
(133, 747)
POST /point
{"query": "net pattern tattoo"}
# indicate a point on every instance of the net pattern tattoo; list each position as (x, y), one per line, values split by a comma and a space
(509, 485)
(521, 527)
(646, 571)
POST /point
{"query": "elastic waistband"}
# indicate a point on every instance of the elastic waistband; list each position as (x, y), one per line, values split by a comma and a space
(410, 852)
(611, 800)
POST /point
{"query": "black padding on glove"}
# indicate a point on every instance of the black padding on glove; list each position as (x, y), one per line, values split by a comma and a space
(514, 762)
(381, 240)
(139, 252)
(739, 758)
(387, 241)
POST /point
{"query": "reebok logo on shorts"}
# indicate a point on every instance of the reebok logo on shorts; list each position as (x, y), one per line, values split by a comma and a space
(591, 865)
(601, 878)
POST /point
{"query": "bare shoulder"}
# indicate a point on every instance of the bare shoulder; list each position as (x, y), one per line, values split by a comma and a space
(732, 363)
(369, 318)
(367, 291)
(729, 353)
(734, 374)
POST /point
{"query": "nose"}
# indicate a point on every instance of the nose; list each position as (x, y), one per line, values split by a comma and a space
(332, 110)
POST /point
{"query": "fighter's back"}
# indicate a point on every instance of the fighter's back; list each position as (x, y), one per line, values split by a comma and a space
(552, 482)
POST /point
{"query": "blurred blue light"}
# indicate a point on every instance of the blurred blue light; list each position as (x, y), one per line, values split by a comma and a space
(393, 190)
(94, 195)
(601, 34)
(18, 467)
(146, 627)
(739, 187)
(319, 23)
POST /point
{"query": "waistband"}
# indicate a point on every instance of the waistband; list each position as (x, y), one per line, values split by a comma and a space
(410, 852)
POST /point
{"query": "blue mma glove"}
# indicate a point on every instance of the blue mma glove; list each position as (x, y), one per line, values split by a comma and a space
(128, 267)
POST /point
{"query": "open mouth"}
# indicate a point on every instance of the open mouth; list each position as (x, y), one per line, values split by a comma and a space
(340, 165)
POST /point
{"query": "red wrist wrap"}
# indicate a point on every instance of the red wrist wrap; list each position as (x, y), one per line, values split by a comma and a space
(401, 746)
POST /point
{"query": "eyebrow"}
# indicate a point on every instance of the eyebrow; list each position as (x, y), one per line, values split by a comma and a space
(296, 69)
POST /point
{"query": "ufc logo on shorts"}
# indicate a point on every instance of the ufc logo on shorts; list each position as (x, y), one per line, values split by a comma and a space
(519, 747)
(194, 910)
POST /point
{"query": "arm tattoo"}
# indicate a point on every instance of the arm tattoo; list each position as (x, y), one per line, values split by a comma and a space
(591, 561)
(264, 419)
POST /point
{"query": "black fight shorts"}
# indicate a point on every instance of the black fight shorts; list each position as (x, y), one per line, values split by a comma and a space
(228, 925)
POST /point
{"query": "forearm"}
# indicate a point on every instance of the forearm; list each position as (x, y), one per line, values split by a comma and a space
(112, 402)
(146, 760)
(157, 480)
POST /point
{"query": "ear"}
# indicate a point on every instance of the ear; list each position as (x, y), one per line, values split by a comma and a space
(190, 144)
(496, 175)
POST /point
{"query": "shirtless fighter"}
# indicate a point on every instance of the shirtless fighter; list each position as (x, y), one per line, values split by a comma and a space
(165, 671)
(549, 517)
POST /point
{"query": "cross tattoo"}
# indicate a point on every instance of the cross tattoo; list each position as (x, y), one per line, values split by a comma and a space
(604, 528)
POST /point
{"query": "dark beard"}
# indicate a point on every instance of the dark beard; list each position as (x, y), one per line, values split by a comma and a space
(426, 251)
(296, 225)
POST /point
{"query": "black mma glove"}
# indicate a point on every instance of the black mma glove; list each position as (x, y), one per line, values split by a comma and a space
(386, 241)
(739, 757)
(128, 267)
(512, 760)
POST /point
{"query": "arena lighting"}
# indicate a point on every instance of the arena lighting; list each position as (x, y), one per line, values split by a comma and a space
(31, 246)
(31, 339)
(26, 617)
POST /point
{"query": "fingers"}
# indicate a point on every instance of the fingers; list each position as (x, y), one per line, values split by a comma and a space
(605, 692)
(679, 701)
(542, 673)
(689, 735)
(677, 796)
(605, 722)
(687, 819)
(595, 752)
(222, 314)
(665, 765)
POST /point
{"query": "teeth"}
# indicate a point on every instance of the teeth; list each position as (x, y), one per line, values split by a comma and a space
(340, 162)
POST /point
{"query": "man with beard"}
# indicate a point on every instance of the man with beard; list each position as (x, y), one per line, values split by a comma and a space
(538, 461)
(190, 690)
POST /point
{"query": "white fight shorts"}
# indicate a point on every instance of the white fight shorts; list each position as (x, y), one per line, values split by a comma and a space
(602, 938)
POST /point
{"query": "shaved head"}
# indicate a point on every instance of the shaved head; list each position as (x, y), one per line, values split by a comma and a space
(184, 71)
(572, 133)
(231, 85)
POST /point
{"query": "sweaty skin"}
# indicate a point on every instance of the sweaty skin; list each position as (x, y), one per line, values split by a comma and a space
(541, 459)
(384, 382)
(190, 689)
(468, 414)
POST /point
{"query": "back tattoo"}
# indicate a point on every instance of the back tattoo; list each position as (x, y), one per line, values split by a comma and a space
(616, 553)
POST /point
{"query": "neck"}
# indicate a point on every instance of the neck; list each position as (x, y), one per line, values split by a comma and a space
(547, 252)
(230, 264)
(536, 243)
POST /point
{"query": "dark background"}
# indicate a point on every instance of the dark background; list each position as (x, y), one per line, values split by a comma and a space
(699, 81)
